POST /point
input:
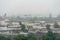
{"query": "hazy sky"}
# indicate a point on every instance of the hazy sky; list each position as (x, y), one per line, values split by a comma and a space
(33, 7)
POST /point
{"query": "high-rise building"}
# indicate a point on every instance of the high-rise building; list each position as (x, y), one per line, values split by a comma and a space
(50, 16)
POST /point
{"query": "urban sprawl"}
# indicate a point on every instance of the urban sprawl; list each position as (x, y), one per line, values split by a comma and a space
(25, 25)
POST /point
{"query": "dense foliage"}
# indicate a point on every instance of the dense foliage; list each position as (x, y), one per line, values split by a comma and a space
(48, 36)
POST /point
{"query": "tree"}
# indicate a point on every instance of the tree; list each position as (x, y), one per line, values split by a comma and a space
(20, 37)
(48, 27)
(31, 37)
(50, 35)
(20, 23)
(23, 27)
(29, 27)
(56, 25)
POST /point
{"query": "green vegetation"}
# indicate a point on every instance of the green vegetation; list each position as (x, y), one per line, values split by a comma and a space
(48, 36)
(48, 27)
(56, 25)
(22, 26)
(20, 23)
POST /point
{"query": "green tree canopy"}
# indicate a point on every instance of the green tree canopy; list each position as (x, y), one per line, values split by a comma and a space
(48, 27)
(23, 27)
(56, 25)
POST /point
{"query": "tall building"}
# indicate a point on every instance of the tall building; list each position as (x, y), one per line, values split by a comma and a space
(5, 15)
(50, 16)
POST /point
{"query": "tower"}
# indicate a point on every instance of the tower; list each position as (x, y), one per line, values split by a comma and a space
(50, 15)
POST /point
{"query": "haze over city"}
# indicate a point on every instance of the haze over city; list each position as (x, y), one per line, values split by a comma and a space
(30, 7)
(29, 19)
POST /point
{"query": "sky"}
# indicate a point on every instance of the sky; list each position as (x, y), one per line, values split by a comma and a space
(30, 7)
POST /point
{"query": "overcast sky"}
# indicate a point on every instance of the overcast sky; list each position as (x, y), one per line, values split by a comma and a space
(32, 7)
